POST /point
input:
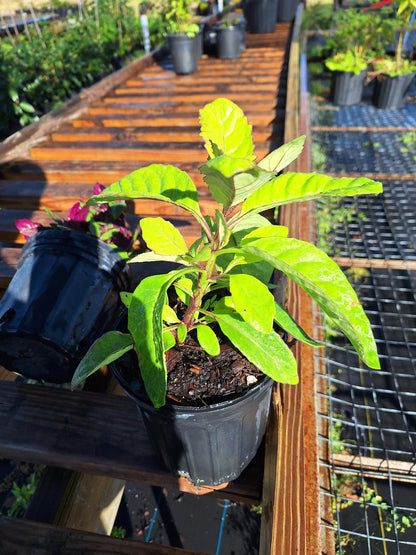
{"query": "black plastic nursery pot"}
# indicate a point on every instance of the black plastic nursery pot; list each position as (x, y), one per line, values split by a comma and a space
(286, 10)
(185, 52)
(347, 87)
(390, 92)
(64, 294)
(260, 15)
(208, 445)
(228, 42)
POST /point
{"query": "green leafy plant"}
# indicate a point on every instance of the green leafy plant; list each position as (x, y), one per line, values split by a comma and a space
(355, 41)
(348, 61)
(23, 494)
(223, 279)
(179, 19)
(398, 65)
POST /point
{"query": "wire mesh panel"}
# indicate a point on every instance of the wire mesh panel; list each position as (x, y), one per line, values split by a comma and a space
(368, 419)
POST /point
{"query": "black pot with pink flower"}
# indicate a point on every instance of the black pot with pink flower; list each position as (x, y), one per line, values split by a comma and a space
(66, 290)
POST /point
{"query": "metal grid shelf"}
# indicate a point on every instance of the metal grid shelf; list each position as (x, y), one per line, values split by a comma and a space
(364, 152)
(368, 429)
(363, 114)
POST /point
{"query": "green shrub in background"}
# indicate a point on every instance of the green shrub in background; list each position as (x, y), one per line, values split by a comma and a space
(40, 71)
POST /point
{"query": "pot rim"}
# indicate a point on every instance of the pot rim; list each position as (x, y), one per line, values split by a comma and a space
(144, 402)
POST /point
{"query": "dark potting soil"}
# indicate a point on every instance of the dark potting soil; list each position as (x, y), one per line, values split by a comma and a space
(196, 378)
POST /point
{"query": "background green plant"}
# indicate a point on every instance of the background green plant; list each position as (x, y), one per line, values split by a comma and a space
(40, 71)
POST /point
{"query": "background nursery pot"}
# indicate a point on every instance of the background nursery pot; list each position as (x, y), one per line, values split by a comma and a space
(218, 301)
(390, 92)
(228, 42)
(185, 52)
(261, 15)
(64, 294)
(209, 445)
(348, 87)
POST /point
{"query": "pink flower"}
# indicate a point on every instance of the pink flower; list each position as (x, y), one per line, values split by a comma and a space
(27, 228)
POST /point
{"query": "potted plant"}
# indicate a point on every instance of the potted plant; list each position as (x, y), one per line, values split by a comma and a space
(229, 38)
(261, 15)
(209, 335)
(43, 332)
(184, 37)
(354, 44)
(395, 75)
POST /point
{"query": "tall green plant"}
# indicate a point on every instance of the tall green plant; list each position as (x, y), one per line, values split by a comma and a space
(223, 279)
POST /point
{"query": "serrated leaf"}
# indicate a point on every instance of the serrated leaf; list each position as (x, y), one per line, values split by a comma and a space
(295, 187)
(162, 237)
(253, 301)
(109, 347)
(224, 123)
(208, 340)
(156, 182)
(325, 282)
(146, 326)
(267, 351)
(287, 323)
(280, 158)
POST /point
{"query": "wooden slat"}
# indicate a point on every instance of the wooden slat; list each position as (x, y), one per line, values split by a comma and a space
(96, 434)
(21, 537)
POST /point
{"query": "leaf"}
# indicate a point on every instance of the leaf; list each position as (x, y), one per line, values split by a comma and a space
(280, 158)
(153, 257)
(325, 282)
(181, 333)
(263, 232)
(208, 340)
(295, 187)
(146, 326)
(125, 297)
(224, 124)
(109, 347)
(287, 323)
(253, 301)
(156, 182)
(232, 180)
(162, 237)
(183, 288)
(169, 315)
(267, 351)
(168, 340)
(223, 231)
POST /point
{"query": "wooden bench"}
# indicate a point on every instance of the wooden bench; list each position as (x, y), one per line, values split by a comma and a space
(85, 432)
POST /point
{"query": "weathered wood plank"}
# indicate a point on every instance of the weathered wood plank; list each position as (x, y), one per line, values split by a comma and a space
(169, 134)
(18, 537)
(96, 434)
(126, 152)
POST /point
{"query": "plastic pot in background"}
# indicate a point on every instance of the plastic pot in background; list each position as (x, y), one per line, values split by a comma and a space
(228, 42)
(390, 92)
(184, 51)
(209, 445)
(286, 10)
(347, 87)
(260, 15)
(64, 294)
